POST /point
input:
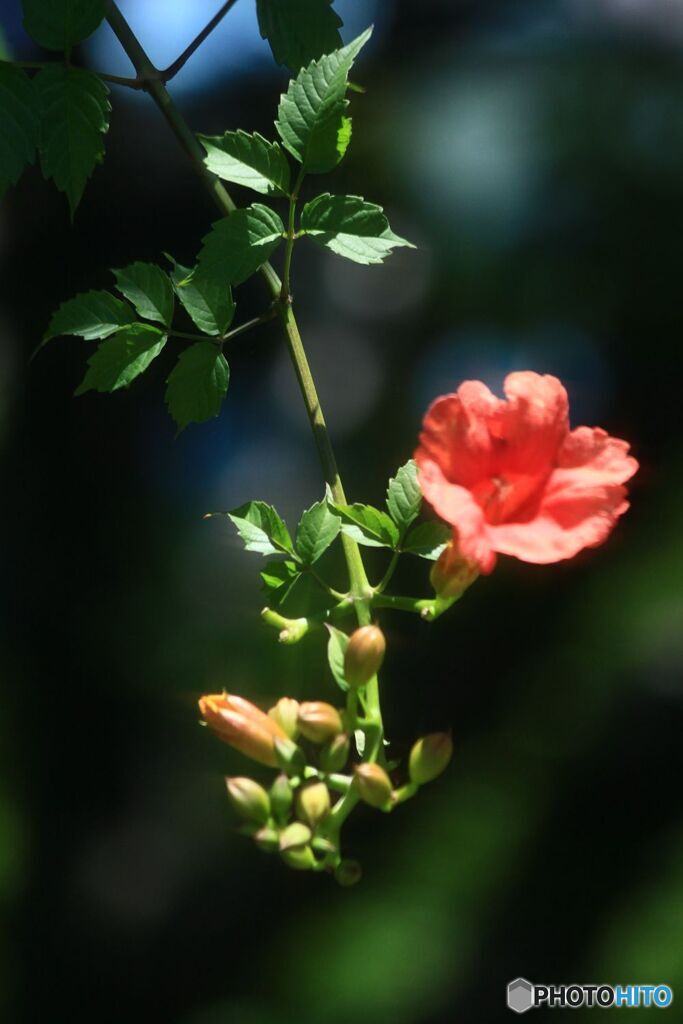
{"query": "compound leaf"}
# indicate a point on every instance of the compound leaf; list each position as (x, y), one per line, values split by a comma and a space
(351, 227)
(197, 384)
(75, 117)
(248, 160)
(238, 245)
(299, 30)
(404, 496)
(208, 302)
(149, 289)
(317, 529)
(311, 120)
(368, 525)
(91, 315)
(262, 529)
(121, 358)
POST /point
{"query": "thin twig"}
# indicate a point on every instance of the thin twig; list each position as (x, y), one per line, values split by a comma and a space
(173, 69)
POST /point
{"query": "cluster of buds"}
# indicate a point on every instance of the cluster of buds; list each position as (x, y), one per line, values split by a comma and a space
(309, 743)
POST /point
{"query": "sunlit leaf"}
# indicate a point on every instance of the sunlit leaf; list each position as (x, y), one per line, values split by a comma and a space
(121, 358)
(149, 289)
(311, 119)
(248, 160)
(351, 227)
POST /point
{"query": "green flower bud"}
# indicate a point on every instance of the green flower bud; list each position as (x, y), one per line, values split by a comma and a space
(348, 872)
(289, 757)
(281, 797)
(364, 655)
(373, 784)
(429, 757)
(335, 754)
(300, 858)
(294, 836)
(318, 721)
(249, 800)
(285, 714)
(313, 803)
(267, 839)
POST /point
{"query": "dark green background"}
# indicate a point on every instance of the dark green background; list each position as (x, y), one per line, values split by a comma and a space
(534, 153)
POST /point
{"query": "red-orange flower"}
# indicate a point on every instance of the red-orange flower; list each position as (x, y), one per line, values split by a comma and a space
(244, 726)
(510, 476)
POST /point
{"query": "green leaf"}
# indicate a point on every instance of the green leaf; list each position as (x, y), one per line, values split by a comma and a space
(278, 574)
(197, 384)
(208, 302)
(248, 160)
(336, 652)
(19, 124)
(60, 24)
(75, 116)
(149, 289)
(368, 525)
(404, 496)
(122, 358)
(298, 30)
(427, 540)
(311, 121)
(317, 529)
(262, 529)
(239, 244)
(351, 227)
(90, 315)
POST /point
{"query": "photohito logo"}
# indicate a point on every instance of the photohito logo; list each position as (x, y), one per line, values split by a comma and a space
(523, 996)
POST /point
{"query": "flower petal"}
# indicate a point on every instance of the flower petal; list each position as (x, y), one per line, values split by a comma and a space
(456, 505)
(531, 425)
(456, 434)
(568, 521)
(589, 456)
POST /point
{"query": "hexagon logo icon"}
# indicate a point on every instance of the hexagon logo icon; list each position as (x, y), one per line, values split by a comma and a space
(520, 995)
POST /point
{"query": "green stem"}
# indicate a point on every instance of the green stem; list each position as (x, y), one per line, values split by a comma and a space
(427, 608)
(152, 82)
(384, 582)
(286, 294)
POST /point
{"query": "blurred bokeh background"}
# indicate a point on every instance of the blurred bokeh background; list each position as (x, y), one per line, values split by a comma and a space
(534, 152)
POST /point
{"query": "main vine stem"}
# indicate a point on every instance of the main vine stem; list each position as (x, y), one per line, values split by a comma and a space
(153, 83)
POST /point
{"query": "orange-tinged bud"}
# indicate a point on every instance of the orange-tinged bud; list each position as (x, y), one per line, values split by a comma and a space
(313, 803)
(429, 757)
(267, 839)
(285, 714)
(249, 800)
(364, 655)
(373, 784)
(241, 724)
(452, 574)
(318, 721)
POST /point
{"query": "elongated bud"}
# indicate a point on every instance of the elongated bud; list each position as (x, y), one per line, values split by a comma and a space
(249, 800)
(290, 758)
(429, 757)
(364, 655)
(241, 724)
(318, 721)
(285, 714)
(313, 803)
(373, 784)
(452, 574)
(267, 839)
(295, 836)
(335, 754)
(348, 872)
(300, 858)
(281, 797)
